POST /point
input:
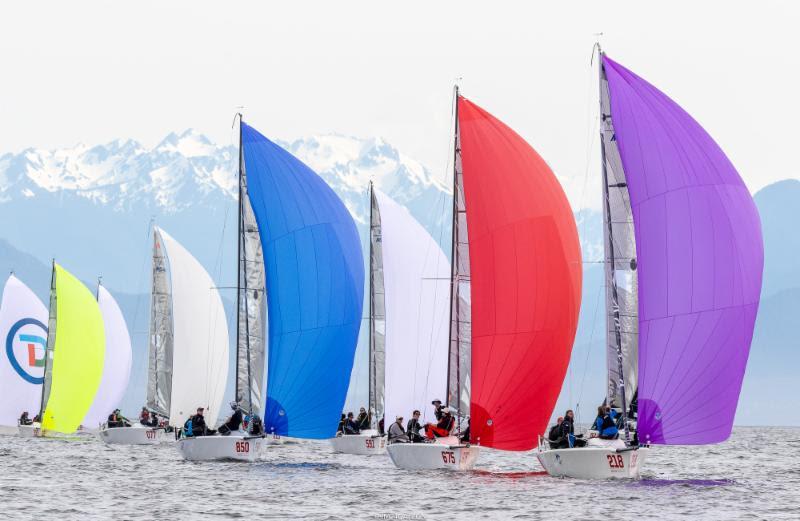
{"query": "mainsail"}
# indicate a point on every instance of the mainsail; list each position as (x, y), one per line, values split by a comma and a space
(315, 289)
(525, 274)
(250, 342)
(621, 277)
(117, 361)
(416, 274)
(377, 315)
(460, 347)
(200, 337)
(159, 374)
(700, 261)
(23, 330)
(76, 349)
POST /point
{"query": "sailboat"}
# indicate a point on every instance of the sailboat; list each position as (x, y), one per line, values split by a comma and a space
(515, 294)
(684, 259)
(299, 251)
(116, 363)
(74, 355)
(408, 315)
(23, 328)
(188, 344)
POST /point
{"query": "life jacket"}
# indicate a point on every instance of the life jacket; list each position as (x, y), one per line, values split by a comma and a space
(187, 428)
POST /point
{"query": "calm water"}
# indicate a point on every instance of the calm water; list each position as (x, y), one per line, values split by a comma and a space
(755, 475)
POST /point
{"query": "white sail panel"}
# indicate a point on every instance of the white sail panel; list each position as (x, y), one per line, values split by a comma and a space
(116, 364)
(200, 357)
(23, 330)
(416, 277)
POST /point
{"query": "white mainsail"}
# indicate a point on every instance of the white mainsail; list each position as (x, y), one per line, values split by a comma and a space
(116, 364)
(416, 277)
(200, 336)
(23, 330)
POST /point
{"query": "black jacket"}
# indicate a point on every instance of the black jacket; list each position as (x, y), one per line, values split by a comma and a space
(199, 425)
(235, 421)
(362, 421)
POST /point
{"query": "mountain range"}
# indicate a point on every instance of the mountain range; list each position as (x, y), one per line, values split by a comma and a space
(91, 208)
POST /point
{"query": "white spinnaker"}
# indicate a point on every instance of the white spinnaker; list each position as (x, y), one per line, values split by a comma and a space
(23, 332)
(201, 345)
(116, 364)
(416, 277)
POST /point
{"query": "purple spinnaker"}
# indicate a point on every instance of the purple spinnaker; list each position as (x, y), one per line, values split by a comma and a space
(700, 260)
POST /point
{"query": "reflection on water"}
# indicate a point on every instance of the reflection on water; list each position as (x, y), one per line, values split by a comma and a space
(744, 478)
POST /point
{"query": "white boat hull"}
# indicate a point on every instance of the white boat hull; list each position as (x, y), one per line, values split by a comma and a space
(277, 439)
(132, 435)
(210, 448)
(365, 444)
(593, 462)
(30, 431)
(445, 453)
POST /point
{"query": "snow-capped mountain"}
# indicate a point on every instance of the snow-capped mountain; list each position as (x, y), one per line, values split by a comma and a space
(91, 206)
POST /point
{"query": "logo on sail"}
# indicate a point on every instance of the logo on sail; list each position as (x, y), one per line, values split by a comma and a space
(26, 345)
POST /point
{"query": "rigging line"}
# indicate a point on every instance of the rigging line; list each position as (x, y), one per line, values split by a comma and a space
(600, 292)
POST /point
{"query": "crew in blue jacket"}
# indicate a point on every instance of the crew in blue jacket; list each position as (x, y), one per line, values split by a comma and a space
(606, 423)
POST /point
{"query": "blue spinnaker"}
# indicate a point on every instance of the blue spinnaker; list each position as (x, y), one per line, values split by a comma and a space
(315, 285)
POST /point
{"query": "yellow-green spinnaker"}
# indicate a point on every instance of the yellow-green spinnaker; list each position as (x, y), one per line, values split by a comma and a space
(78, 352)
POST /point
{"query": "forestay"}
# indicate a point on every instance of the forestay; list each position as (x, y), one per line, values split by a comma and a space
(416, 277)
(201, 344)
(315, 289)
(116, 364)
(700, 260)
(23, 330)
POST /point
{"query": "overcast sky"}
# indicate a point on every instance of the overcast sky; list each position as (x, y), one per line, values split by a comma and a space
(142, 69)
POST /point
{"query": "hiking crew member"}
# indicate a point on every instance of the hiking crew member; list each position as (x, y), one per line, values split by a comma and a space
(146, 419)
(350, 426)
(116, 419)
(363, 420)
(196, 425)
(413, 428)
(443, 428)
(437, 409)
(234, 422)
(554, 435)
(342, 421)
(605, 423)
(465, 435)
(24, 420)
(396, 432)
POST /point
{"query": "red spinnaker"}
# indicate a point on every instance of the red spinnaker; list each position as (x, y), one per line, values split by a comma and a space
(525, 265)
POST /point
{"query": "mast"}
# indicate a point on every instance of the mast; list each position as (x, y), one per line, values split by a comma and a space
(372, 369)
(454, 265)
(612, 259)
(51, 334)
(241, 286)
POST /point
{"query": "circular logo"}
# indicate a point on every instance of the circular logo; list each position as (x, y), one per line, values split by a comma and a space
(26, 345)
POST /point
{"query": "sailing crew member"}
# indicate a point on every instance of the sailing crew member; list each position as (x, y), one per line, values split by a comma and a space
(443, 428)
(413, 429)
(146, 419)
(24, 420)
(234, 422)
(437, 409)
(350, 426)
(396, 432)
(340, 428)
(199, 427)
(605, 423)
(555, 431)
(566, 438)
(362, 421)
(116, 419)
